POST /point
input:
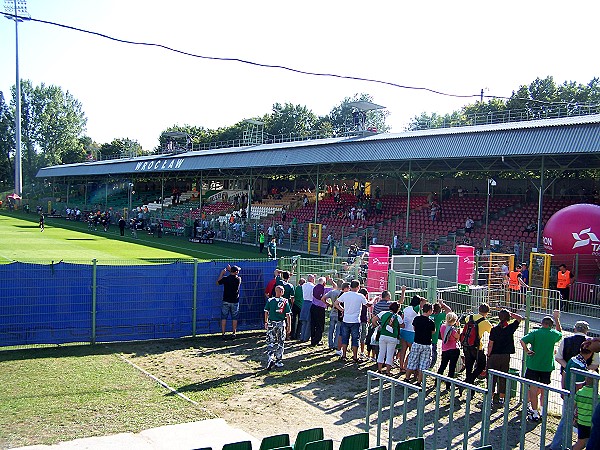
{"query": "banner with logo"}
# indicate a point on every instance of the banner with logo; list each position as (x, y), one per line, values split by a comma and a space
(466, 264)
(379, 263)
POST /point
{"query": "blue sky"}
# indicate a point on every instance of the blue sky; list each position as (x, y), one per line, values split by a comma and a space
(137, 92)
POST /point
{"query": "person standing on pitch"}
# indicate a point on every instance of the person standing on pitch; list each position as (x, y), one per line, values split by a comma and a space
(231, 297)
(122, 226)
(41, 222)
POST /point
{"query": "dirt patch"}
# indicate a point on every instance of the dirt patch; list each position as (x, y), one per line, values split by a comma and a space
(313, 389)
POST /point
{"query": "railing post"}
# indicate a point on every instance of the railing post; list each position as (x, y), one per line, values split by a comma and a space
(94, 299)
(195, 298)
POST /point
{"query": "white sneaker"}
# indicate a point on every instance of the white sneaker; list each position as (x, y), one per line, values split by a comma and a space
(338, 352)
(278, 364)
(536, 416)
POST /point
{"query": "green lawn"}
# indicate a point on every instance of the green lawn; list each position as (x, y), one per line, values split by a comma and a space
(72, 241)
(59, 394)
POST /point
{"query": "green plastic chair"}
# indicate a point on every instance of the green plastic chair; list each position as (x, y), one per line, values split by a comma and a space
(277, 441)
(485, 447)
(411, 444)
(323, 444)
(306, 436)
(243, 445)
(379, 447)
(359, 441)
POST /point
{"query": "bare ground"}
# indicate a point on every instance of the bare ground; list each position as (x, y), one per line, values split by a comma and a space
(313, 389)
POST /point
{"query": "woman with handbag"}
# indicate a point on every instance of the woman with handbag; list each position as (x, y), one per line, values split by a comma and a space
(387, 335)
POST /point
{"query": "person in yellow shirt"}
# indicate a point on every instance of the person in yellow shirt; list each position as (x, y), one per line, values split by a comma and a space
(475, 360)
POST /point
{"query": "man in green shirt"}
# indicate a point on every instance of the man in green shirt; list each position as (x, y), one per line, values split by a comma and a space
(277, 321)
(538, 345)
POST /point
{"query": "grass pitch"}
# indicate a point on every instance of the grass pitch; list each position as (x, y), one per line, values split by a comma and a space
(72, 241)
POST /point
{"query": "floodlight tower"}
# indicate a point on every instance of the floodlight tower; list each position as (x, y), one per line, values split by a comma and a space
(17, 10)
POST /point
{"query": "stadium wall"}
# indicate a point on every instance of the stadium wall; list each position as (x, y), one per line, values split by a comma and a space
(74, 303)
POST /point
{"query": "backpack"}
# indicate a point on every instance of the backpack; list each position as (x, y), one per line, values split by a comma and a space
(469, 337)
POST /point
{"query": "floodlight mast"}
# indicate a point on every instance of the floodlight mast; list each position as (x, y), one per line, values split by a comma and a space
(17, 10)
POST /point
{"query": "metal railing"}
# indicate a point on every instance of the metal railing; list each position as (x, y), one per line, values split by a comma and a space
(508, 115)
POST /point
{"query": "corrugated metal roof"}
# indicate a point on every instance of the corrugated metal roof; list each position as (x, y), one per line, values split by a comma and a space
(573, 135)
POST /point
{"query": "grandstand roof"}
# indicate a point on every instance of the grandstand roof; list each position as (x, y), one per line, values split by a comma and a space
(564, 143)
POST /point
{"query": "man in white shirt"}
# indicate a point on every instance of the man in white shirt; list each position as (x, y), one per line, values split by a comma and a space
(353, 302)
(307, 294)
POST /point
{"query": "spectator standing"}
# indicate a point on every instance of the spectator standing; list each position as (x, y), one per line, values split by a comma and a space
(539, 347)
(389, 332)
(450, 351)
(296, 309)
(317, 312)
(584, 405)
(475, 360)
(500, 346)
(334, 317)
(383, 305)
(272, 249)
(580, 361)
(469, 225)
(525, 274)
(419, 358)
(569, 347)
(278, 325)
(231, 297)
(440, 309)
(307, 295)
(407, 334)
(594, 439)
(352, 305)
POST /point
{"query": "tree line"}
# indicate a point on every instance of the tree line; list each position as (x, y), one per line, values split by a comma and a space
(542, 98)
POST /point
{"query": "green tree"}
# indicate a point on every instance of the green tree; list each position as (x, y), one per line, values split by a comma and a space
(120, 148)
(51, 123)
(288, 119)
(59, 123)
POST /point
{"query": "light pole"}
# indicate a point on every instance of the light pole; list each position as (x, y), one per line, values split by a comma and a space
(130, 193)
(18, 12)
(490, 182)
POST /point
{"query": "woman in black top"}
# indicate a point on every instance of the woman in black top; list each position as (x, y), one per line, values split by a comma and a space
(500, 346)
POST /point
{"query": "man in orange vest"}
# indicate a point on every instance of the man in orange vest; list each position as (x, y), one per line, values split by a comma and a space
(515, 284)
(564, 279)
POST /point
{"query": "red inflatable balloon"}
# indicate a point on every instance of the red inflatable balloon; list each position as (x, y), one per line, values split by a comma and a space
(574, 230)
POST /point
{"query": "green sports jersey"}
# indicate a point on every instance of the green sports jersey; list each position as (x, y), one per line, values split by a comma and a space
(298, 297)
(277, 308)
(438, 319)
(288, 289)
(542, 343)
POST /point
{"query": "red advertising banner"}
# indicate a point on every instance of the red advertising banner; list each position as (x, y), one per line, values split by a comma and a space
(379, 262)
(466, 264)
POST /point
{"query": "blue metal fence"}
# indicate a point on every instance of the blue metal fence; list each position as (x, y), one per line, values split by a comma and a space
(65, 303)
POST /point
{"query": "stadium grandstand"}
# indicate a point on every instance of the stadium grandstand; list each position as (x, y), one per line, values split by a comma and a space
(413, 190)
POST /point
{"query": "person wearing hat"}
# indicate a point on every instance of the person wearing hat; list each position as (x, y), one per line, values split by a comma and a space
(569, 347)
(231, 297)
